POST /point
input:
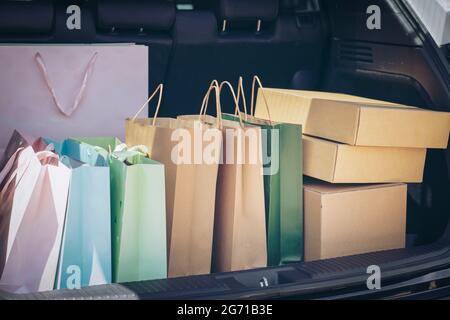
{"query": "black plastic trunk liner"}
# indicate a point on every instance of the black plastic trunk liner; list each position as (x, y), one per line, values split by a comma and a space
(241, 284)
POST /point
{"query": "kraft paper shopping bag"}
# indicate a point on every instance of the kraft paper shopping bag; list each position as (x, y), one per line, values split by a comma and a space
(60, 91)
(190, 185)
(138, 211)
(85, 257)
(239, 229)
(283, 184)
(33, 199)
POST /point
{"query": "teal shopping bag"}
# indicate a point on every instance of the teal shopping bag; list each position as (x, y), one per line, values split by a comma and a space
(138, 210)
(85, 256)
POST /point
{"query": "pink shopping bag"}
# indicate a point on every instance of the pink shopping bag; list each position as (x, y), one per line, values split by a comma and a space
(33, 197)
(60, 91)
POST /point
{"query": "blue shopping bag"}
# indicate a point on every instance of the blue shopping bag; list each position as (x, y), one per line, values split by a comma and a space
(85, 257)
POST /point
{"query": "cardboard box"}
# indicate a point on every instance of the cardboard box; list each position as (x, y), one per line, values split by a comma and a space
(340, 163)
(343, 220)
(356, 121)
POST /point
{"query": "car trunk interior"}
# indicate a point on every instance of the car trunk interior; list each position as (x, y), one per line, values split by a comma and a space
(309, 45)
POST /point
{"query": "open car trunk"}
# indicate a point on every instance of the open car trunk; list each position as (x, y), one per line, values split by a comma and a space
(314, 45)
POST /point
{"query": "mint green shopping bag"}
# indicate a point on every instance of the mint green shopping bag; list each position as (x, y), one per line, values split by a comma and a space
(138, 212)
(85, 256)
(283, 186)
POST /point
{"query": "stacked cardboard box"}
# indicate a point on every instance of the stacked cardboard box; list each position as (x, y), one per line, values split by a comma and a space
(375, 146)
(343, 220)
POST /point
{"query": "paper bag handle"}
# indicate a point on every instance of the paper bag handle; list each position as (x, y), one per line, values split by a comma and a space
(235, 98)
(213, 86)
(48, 157)
(87, 74)
(205, 101)
(240, 92)
(159, 89)
(256, 80)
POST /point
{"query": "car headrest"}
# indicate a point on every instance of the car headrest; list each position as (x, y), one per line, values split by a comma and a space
(150, 15)
(245, 10)
(28, 17)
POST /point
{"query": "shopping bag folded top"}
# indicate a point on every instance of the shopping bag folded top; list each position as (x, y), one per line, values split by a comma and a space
(22, 140)
(102, 150)
(79, 153)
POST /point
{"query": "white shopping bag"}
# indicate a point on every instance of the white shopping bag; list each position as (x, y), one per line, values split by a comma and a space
(33, 197)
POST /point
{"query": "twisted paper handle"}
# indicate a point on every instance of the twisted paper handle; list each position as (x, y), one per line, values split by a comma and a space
(80, 95)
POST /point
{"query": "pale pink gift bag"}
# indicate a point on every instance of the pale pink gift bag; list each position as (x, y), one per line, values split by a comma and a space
(59, 91)
(33, 198)
(20, 140)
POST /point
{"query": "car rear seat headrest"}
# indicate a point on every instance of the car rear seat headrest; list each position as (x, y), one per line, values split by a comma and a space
(26, 17)
(150, 15)
(247, 10)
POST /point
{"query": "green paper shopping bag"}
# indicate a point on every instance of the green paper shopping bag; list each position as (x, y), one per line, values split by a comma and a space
(138, 211)
(283, 184)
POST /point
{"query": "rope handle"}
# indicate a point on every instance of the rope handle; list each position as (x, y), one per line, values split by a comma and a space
(235, 98)
(160, 89)
(257, 80)
(240, 93)
(79, 97)
(213, 86)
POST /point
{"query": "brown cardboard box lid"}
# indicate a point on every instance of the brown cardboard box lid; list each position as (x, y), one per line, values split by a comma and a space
(356, 120)
(292, 106)
(360, 124)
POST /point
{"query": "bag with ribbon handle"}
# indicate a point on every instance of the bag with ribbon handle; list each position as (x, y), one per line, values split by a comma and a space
(138, 208)
(33, 198)
(191, 176)
(60, 91)
(283, 180)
